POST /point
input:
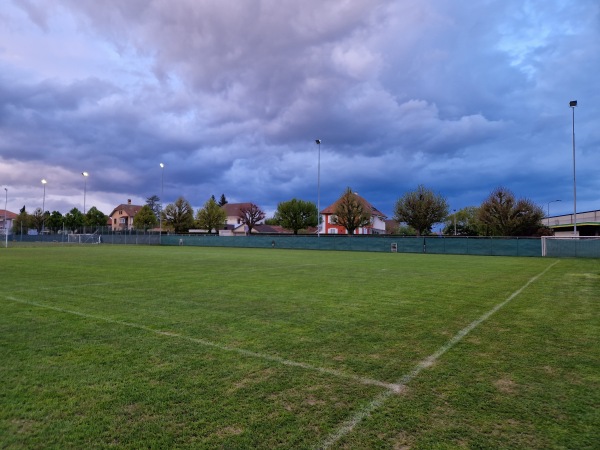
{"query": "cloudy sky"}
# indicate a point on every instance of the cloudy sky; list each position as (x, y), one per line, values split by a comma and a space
(460, 96)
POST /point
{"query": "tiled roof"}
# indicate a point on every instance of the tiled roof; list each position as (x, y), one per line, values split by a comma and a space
(374, 211)
(9, 215)
(130, 210)
(233, 209)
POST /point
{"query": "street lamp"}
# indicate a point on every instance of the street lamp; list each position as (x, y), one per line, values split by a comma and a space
(85, 175)
(454, 222)
(162, 184)
(318, 142)
(44, 206)
(572, 105)
(552, 201)
(5, 219)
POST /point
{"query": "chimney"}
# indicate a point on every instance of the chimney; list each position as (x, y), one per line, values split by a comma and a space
(129, 201)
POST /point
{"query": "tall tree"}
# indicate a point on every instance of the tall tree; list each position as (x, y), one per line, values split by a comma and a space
(211, 216)
(54, 221)
(22, 222)
(421, 209)
(466, 221)
(145, 218)
(179, 215)
(74, 219)
(296, 214)
(503, 215)
(351, 213)
(95, 218)
(155, 205)
(223, 201)
(250, 216)
(37, 220)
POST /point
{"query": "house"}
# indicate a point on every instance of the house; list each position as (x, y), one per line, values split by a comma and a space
(121, 218)
(329, 225)
(6, 226)
(232, 210)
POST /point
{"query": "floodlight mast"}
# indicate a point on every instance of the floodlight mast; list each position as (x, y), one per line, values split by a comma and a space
(85, 175)
(162, 184)
(44, 206)
(572, 105)
(5, 218)
(318, 142)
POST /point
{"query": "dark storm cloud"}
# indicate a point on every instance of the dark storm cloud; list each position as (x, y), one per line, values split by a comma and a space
(460, 96)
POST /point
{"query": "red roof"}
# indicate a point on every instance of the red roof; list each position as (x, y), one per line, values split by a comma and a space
(9, 215)
(233, 209)
(333, 207)
(129, 209)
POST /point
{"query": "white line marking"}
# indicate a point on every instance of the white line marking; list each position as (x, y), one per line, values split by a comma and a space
(349, 425)
(390, 387)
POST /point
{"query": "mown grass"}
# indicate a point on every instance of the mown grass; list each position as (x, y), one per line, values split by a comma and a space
(148, 347)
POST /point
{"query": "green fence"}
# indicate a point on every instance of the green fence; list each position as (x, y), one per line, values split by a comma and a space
(492, 246)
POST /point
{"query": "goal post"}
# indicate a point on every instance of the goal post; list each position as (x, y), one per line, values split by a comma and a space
(82, 238)
(571, 246)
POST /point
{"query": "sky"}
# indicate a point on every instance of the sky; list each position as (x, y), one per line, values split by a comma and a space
(459, 96)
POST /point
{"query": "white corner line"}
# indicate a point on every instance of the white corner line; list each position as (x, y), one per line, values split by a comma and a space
(348, 426)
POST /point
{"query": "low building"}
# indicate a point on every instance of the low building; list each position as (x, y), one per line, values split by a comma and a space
(121, 218)
(588, 224)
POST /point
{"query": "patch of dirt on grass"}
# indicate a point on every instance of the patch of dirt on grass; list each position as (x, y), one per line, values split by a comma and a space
(506, 386)
(403, 442)
(23, 425)
(229, 431)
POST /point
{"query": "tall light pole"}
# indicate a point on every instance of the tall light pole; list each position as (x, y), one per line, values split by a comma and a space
(551, 201)
(318, 142)
(454, 222)
(44, 206)
(5, 219)
(572, 105)
(162, 185)
(85, 175)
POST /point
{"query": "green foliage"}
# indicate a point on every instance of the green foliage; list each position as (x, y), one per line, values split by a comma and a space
(145, 218)
(503, 215)
(179, 216)
(351, 213)
(223, 201)
(211, 216)
(74, 220)
(22, 222)
(55, 221)
(155, 205)
(467, 223)
(37, 219)
(296, 215)
(95, 218)
(421, 209)
(271, 221)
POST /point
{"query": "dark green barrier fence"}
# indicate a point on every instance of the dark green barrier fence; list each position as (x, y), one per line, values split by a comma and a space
(492, 246)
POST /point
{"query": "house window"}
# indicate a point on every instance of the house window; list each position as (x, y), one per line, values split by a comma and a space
(123, 220)
(332, 231)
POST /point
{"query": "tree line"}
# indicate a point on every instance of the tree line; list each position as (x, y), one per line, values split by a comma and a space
(415, 213)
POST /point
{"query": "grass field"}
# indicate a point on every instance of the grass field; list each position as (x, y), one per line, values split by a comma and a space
(149, 347)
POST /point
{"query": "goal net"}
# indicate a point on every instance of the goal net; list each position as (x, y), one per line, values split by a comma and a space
(83, 238)
(571, 246)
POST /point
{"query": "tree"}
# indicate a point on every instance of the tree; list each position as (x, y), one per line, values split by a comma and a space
(179, 215)
(54, 221)
(22, 222)
(95, 218)
(223, 201)
(74, 219)
(145, 218)
(421, 209)
(296, 215)
(211, 216)
(155, 205)
(350, 212)
(503, 215)
(36, 220)
(467, 222)
(251, 216)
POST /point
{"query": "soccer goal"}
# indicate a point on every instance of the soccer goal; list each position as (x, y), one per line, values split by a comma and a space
(83, 238)
(571, 246)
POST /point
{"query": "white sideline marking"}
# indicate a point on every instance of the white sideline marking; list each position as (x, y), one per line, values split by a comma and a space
(378, 401)
(391, 387)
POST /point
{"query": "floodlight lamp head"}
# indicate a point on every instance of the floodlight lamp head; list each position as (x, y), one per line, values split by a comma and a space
(318, 141)
(85, 174)
(162, 165)
(44, 181)
(573, 103)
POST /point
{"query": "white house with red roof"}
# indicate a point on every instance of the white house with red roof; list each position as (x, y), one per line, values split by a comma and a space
(329, 225)
(6, 226)
(121, 218)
